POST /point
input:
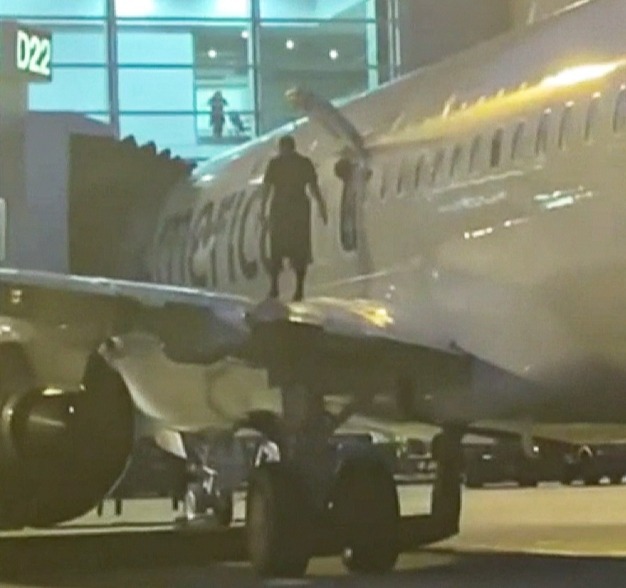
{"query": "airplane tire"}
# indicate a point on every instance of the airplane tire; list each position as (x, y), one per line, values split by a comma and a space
(278, 522)
(223, 509)
(366, 514)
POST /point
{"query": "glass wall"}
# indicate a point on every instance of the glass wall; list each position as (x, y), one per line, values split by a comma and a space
(197, 76)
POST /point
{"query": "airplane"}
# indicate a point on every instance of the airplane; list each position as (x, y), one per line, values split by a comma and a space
(472, 272)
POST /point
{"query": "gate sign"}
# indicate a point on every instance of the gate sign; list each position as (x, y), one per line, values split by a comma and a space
(25, 53)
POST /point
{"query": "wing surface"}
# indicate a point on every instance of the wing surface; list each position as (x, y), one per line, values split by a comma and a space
(195, 326)
(333, 344)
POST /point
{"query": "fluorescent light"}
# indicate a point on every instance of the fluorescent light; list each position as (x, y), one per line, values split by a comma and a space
(333, 54)
(134, 8)
(212, 53)
(290, 44)
(245, 34)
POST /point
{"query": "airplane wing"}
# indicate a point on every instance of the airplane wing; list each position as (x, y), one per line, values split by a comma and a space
(193, 325)
(339, 347)
(362, 348)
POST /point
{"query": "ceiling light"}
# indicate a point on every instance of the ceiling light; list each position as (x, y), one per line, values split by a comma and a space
(290, 44)
(333, 54)
(212, 53)
(245, 34)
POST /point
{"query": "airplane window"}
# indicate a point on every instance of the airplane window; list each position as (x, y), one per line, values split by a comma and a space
(348, 210)
(399, 180)
(437, 165)
(496, 148)
(418, 172)
(619, 117)
(455, 162)
(541, 144)
(517, 144)
(565, 126)
(383, 183)
(592, 116)
(474, 155)
(405, 172)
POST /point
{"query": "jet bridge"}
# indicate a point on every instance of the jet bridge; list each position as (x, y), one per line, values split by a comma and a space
(25, 56)
(73, 198)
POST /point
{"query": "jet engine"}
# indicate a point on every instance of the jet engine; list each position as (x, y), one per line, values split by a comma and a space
(60, 451)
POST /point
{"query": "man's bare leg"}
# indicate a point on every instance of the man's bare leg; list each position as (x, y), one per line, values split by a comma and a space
(300, 277)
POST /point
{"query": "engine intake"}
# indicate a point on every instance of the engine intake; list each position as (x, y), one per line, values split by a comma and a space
(60, 452)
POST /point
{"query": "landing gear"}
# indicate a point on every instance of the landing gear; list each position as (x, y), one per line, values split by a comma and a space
(278, 522)
(445, 513)
(300, 506)
(203, 495)
(195, 503)
(366, 514)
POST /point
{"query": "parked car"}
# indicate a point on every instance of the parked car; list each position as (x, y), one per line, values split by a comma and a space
(504, 460)
(347, 444)
(592, 462)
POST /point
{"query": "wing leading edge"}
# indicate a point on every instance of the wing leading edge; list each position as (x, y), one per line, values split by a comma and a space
(194, 326)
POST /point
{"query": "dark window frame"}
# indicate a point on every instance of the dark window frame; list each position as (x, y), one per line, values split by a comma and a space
(565, 126)
(418, 172)
(455, 160)
(474, 156)
(438, 162)
(591, 118)
(619, 112)
(543, 132)
(495, 153)
(517, 141)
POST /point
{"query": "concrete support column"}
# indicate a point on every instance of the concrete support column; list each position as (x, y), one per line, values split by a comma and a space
(13, 106)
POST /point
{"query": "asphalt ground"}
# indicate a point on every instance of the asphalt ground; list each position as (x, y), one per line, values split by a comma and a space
(549, 536)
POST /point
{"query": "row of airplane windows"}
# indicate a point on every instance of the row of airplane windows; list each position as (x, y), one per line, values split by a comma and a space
(420, 174)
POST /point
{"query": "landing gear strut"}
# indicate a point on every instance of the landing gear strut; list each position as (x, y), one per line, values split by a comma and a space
(445, 514)
(287, 498)
(301, 505)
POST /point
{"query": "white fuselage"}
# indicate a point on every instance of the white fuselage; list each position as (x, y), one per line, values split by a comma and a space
(494, 220)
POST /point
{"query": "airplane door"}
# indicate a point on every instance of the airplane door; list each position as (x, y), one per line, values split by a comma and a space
(345, 171)
(354, 175)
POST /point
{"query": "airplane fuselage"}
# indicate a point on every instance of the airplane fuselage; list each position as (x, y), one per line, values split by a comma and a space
(492, 219)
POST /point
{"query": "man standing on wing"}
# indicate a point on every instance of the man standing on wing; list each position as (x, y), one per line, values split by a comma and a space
(286, 180)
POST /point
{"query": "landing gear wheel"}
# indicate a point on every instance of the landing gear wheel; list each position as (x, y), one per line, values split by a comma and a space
(194, 502)
(278, 522)
(223, 509)
(616, 479)
(366, 514)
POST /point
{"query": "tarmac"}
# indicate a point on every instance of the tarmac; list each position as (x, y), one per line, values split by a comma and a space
(548, 536)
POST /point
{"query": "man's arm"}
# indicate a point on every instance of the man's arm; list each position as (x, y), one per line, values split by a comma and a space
(317, 195)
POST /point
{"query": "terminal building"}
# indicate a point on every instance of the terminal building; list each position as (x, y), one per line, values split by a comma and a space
(150, 67)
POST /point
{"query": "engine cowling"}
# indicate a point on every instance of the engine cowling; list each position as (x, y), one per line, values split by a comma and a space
(60, 451)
